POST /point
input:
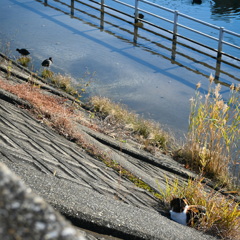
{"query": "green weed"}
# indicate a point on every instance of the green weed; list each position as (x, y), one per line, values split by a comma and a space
(64, 82)
(9, 69)
(47, 74)
(24, 61)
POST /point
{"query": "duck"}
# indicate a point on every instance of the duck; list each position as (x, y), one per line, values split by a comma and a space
(197, 1)
(140, 15)
(185, 214)
(23, 51)
(47, 62)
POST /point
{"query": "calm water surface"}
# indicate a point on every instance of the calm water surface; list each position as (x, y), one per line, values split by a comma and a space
(141, 76)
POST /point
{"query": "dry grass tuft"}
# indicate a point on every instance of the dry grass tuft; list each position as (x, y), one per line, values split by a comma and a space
(47, 74)
(24, 61)
(214, 134)
(149, 132)
(64, 82)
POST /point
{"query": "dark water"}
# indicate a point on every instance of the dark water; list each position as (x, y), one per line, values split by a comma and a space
(224, 13)
(142, 76)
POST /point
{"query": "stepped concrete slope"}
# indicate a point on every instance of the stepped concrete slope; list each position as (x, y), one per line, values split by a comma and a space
(82, 188)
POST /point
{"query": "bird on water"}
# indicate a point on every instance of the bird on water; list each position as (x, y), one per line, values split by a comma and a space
(140, 15)
(47, 62)
(185, 214)
(23, 51)
(197, 2)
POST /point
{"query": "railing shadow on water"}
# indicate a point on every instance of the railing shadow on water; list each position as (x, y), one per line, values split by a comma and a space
(138, 23)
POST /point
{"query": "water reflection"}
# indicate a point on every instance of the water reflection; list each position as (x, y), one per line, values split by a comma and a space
(152, 76)
(173, 52)
(226, 11)
(225, 7)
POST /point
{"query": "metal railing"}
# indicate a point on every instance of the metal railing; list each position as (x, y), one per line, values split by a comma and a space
(219, 40)
(136, 22)
(175, 23)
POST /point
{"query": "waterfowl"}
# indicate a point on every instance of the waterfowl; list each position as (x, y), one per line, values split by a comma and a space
(197, 1)
(47, 62)
(140, 15)
(23, 51)
(185, 214)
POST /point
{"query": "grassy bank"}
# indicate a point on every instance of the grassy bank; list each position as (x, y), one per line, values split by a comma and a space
(213, 140)
(223, 214)
(222, 217)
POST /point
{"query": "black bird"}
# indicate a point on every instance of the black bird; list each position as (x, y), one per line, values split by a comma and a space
(47, 62)
(197, 1)
(140, 15)
(23, 51)
(185, 214)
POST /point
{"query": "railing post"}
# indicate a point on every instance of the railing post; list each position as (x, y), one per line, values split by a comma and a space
(135, 21)
(72, 7)
(136, 10)
(220, 42)
(217, 70)
(174, 41)
(102, 15)
(135, 34)
(102, 5)
(174, 50)
(219, 54)
(45, 2)
(175, 25)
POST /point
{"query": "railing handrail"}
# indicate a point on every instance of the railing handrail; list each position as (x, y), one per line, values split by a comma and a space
(231, 32)
(173, 33)
(156, 5)
(176, 24)
(199, 21)
(123, 3)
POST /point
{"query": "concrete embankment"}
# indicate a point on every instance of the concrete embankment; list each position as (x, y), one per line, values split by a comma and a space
(76, 184)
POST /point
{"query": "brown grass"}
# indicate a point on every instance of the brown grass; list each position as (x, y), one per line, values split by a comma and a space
(46, 74)
(49, 109)
(149, 133)
(214, 134)
(24, 61)
(64, 82)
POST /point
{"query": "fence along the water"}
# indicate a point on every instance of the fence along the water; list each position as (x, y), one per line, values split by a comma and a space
(175, 23)
(219, 40)
(130, 15)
